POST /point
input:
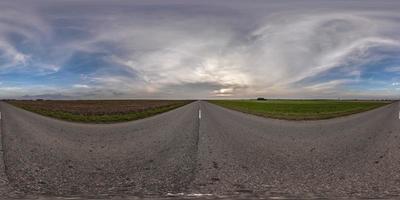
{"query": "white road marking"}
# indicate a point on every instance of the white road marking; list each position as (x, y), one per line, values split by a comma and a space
(198, 195)
(188, 195)
(199, 114)
(175, 195)
(399, 115)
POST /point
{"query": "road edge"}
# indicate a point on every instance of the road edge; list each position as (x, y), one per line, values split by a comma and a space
(4, 183)
(6, 190)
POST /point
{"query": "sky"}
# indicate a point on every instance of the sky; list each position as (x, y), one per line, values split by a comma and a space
(172, 49)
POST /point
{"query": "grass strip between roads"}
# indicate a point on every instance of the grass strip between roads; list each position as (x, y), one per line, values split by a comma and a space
(300, 109)
(98, 117)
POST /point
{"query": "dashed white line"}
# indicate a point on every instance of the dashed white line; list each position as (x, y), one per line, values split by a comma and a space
(198, 195)
(188, 195)
(399, 115)
(175, 194)
(199, 113)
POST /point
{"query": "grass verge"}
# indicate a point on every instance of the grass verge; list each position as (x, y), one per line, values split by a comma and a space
(300, 109)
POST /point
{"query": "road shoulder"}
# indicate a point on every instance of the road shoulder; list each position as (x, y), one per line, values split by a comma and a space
(6, 191)
(4, 188)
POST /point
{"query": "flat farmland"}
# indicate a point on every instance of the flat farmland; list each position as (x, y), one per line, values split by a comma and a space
(98, 111)
(300, 109)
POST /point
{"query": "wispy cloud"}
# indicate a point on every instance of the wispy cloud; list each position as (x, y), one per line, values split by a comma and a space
(392, 69)
(81, 86)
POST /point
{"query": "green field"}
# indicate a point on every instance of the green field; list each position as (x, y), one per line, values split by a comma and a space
(300, 109)
(99, 111)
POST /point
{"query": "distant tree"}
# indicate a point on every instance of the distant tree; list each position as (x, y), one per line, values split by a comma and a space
(261, 99)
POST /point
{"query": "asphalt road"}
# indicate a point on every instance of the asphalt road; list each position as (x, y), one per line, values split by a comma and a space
(217, 151)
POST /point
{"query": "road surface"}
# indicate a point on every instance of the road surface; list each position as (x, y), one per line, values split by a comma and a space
(203, 149)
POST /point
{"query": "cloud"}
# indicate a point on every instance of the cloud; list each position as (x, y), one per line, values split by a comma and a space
(224, 92)
(155, 49)
(55, 96)
(272, 56)
(81, 86)
(24, 38)
(328, 85)
(392, 69)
